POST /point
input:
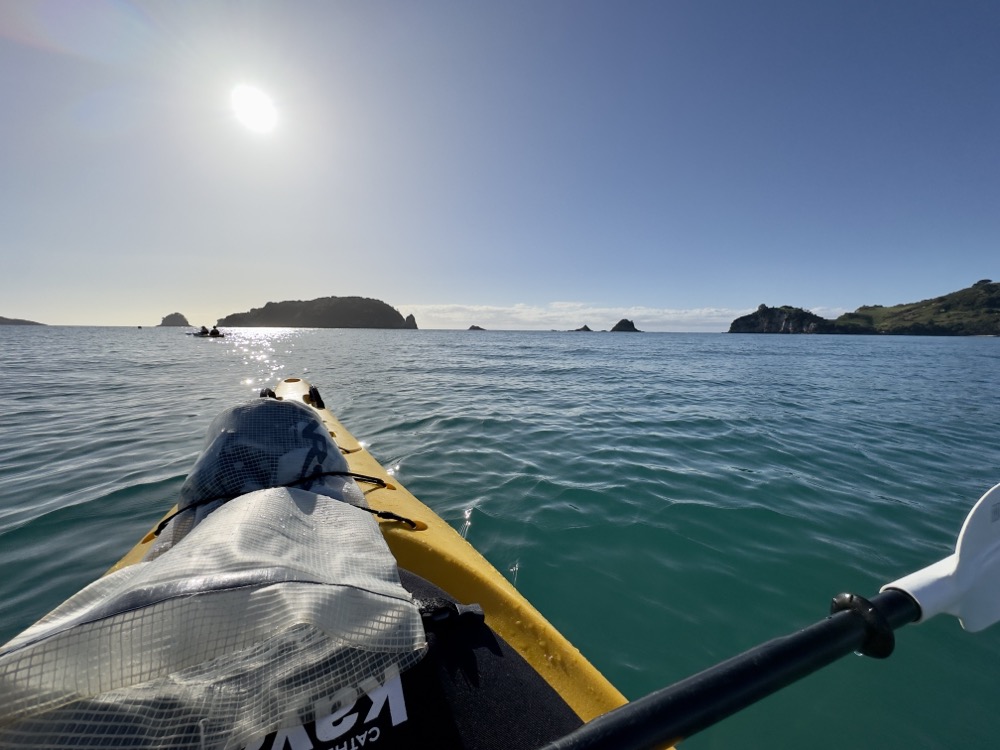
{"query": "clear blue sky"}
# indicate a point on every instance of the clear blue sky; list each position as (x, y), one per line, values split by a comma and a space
(515, 164)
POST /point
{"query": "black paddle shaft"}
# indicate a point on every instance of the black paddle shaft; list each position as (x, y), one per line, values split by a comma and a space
(669, 715)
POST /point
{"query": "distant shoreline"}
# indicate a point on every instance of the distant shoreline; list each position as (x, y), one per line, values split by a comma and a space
(974, 311)
(18, 322)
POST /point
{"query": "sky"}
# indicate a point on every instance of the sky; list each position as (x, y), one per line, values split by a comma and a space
(524, 164)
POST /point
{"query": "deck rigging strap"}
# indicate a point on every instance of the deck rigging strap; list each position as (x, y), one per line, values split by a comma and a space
(378, 481)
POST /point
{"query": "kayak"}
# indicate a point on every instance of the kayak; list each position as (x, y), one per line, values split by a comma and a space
(208, 335)
(262, 613)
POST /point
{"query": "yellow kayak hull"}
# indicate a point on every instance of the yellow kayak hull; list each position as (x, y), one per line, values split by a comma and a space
(439, 554)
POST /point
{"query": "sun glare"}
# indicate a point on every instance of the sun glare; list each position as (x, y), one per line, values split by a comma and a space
(254, 109)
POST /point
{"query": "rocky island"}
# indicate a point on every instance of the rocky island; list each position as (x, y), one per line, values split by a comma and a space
(625, 326)
(974, 311)
(325, 312)
(174, 319)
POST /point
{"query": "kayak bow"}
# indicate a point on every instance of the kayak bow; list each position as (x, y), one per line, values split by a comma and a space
(436, 552)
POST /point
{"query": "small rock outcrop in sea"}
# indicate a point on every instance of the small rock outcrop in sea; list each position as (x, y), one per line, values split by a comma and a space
(781, 320)
(17, 322)
(325, 312)
(585, 327)
(476, 328)
(175, 319)
(625, 326)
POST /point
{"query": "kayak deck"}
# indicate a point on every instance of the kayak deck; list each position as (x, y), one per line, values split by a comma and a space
(436, 552)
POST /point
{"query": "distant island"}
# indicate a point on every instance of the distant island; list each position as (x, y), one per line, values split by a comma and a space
(625, 326)
(974, 311)
(325, 312)
(622, 326)
(17, 322)
(174, 319)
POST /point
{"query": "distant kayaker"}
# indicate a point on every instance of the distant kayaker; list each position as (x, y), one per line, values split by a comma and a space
(214, 332)
(204, 331)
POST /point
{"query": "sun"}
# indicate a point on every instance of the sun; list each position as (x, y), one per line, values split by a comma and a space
(253, 108)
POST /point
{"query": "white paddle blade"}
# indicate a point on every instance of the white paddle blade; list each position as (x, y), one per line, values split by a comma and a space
(966, 584)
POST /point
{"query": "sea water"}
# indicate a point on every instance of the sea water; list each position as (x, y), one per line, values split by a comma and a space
(666, 500)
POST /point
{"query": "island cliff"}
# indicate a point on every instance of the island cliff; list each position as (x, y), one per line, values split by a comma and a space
(783, 319)
(325, 312)
(974, 311)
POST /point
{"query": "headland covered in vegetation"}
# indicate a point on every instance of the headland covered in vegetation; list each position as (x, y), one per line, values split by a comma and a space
(974, 311)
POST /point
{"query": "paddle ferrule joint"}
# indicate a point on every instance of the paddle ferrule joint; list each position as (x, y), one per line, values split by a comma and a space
(879, 638)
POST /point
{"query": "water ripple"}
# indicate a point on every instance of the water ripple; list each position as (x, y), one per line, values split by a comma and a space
(666, 500)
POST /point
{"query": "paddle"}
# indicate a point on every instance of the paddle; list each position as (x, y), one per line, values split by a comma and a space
(963, 584)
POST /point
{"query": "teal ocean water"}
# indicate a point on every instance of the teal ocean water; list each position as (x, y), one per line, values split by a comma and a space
(666, 500)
